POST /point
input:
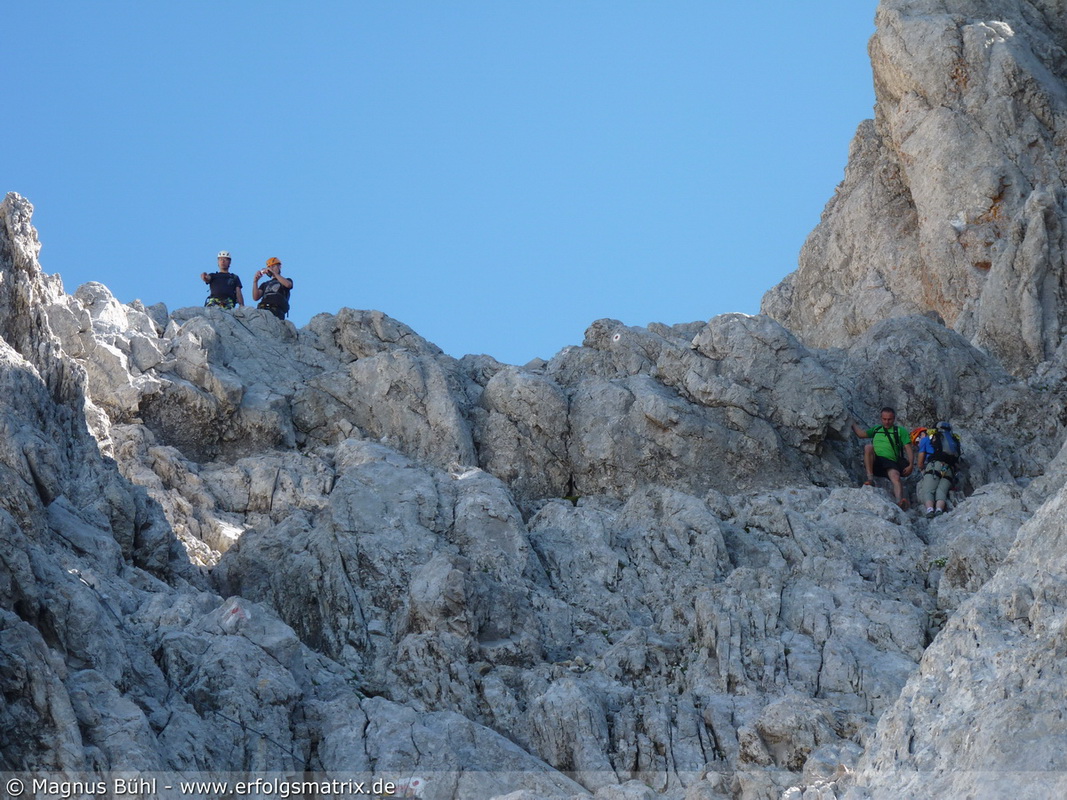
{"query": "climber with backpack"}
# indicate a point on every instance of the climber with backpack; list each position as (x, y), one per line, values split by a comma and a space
(273, 294)
(890, 453)
(224, 288)
(940, 452)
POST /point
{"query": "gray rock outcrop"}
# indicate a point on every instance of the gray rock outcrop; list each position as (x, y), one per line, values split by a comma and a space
(953, 200)
(980, 718)
(342, 522)
(644, 568)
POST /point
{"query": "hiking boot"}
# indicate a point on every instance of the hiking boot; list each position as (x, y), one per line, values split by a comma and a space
(939, 512)
(929, 513)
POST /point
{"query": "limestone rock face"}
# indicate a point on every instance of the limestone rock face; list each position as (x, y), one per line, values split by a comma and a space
(644, 568)
(116, 651)
(953, 201)
(962, 726)
(683, 408)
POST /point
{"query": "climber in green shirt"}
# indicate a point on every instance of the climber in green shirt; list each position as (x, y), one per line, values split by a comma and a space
(890, 453)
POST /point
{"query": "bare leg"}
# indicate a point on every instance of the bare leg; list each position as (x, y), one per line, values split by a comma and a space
(898, 490)
(868, 460)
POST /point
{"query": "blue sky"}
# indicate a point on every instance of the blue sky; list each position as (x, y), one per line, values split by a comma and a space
(497, 175)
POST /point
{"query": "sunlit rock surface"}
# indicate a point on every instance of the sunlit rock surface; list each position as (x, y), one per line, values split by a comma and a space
(643, 568)
(953, 200)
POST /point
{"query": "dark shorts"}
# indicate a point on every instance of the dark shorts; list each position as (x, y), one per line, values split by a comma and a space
(278, 312)
(882, 465)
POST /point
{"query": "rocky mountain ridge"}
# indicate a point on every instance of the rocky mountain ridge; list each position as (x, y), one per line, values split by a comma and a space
(643, 568)
(953, 200)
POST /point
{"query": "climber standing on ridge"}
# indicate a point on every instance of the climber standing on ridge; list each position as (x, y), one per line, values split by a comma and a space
(272, 294)
(890, 453)
(224, 288)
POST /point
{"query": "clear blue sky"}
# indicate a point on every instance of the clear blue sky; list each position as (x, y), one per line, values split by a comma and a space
(495, 174)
